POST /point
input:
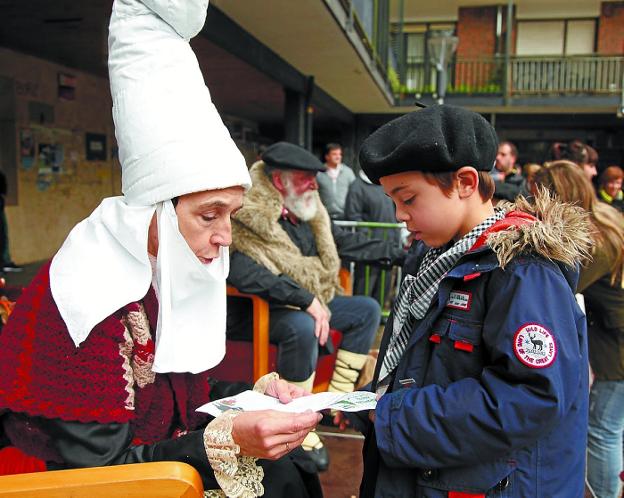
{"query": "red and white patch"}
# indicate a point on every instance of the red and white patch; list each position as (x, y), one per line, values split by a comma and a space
(535, 346)
(460, 300)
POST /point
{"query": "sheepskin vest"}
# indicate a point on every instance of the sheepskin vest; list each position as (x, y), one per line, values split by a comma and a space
(256, 232)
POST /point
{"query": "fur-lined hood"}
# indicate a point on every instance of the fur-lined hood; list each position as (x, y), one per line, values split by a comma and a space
(562, 232)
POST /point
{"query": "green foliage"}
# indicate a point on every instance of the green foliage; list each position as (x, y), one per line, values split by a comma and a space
(399, 89)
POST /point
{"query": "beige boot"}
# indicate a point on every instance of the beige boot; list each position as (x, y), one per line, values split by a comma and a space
(312, 441)
(316, 450)
(306, 384)
(346, 371)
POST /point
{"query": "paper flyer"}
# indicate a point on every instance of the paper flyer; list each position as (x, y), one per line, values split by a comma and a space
(253, 401)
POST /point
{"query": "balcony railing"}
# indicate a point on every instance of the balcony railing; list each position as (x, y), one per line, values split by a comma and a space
(572, 75)
(585, 75)
(370, 21)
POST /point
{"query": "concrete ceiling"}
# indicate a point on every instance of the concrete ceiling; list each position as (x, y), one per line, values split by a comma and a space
(308, 37)
(66, 31)
(74, 34)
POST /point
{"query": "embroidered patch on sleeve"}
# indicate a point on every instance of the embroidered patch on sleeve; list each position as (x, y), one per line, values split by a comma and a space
(535, 346)
(460, 300)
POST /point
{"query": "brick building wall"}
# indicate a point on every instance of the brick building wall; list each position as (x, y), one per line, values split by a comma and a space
(611, 28)
(476, 30)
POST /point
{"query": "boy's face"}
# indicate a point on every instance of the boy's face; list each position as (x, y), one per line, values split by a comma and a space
(429, 214)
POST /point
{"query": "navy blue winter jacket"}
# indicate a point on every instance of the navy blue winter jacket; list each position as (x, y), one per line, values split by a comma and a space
(491, 395)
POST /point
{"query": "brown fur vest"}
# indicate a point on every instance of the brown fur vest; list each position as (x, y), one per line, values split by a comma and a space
(257, 233)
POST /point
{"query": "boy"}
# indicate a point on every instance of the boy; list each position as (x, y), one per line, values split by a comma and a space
(482, 377)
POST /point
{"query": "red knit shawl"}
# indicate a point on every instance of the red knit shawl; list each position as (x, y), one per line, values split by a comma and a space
(43, 374)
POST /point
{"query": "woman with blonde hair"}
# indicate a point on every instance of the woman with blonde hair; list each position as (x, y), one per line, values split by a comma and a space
(601, 284)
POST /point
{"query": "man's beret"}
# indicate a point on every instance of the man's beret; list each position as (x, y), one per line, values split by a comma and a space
(285, 155)
(437, 139)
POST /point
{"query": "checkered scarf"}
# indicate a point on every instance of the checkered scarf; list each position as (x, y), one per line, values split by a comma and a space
(417, 292)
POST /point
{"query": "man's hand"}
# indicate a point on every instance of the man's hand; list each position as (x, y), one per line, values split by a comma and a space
(321, 320)
(271, 434)
(341, 421)
(284, 391)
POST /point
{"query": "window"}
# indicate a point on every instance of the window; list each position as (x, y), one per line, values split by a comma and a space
(556, 37)
(581, 37)
(419, 72)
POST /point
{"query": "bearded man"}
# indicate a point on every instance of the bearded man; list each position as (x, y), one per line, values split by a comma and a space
(286, 250)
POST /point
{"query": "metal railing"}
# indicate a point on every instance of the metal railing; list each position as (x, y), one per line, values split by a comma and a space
(370, 21)
(565, 75)
(528, 75)
(362, 274)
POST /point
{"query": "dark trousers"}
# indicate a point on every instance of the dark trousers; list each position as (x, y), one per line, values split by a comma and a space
(357, 317)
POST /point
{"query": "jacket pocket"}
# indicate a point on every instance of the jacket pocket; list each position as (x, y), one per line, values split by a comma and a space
(456, 351)
(493, 479)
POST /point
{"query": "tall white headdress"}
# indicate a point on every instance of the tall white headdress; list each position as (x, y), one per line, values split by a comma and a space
(171, 142)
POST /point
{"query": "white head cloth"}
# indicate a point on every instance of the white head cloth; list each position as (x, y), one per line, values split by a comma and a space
(171, 142)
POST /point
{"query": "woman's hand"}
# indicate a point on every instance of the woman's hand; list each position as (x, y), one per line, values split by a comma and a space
(284, 391)
(271, 434)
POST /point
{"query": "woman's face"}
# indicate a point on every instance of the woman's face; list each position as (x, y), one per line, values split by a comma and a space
(204, 220)
(613, 187)
(589, 170)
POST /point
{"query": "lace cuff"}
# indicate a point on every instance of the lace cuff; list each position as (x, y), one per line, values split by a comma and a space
(238, 476)
(263, 382)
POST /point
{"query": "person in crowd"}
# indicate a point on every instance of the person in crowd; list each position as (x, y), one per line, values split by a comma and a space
(505, 163)
(578, 152)
(368, 202)
(334, 181)
(286, 250)
(508, 183)
(5, 255)
(601, 285)
(591, 166)
(528, 172)
(482, 377)
(610, 189)
(104, 358)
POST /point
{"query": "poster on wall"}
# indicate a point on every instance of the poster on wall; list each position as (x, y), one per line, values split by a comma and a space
(57, 159)
(44, 167)
(96, 146)
(66, 86)
(27, 148)
(50, 163)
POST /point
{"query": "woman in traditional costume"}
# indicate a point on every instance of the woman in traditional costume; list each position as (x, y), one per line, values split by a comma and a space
(104, 359)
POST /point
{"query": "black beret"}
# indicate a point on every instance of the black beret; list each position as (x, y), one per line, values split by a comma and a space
(285, 155)
(437, 139)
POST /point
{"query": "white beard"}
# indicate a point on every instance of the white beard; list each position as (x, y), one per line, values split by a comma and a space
(302, 206)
